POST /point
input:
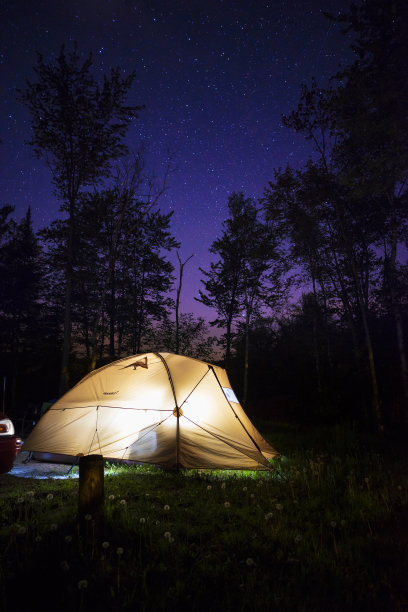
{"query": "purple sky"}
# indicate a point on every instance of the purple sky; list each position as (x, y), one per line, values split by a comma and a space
(215, 77)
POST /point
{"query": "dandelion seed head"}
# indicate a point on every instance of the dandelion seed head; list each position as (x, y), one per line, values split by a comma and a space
(88, 517)
(227, 504)
(298, 538)
(111, 497)
(53, 527)
(166, 507)
(68, 539)
(167, 535)
(245, 488)
(142, 520)
(268, 516)
(38, 538)
(82, 584)
(250, 562)
(20, 500)
(123, 502)
(64, 566)
(50, 496)
(278, 506)
(21, 530)
(333, 524)
(209, 487)
(119, 551)
(105, 545)
(223, 485)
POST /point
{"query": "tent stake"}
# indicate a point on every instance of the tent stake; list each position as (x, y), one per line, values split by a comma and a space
(91, 487)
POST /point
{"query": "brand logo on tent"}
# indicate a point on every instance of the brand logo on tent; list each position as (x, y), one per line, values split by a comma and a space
(142, 363)
(111, 392)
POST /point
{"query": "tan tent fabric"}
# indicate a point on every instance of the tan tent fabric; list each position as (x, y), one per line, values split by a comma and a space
(154, 408)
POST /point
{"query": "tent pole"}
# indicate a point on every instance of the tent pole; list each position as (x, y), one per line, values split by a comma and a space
(178, 440)
(236, 416)
(176, 410)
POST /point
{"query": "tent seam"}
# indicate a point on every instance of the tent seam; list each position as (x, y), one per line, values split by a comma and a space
(236, 416)
(227, 443)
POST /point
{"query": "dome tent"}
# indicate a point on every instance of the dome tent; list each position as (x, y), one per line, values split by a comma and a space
(158, 408)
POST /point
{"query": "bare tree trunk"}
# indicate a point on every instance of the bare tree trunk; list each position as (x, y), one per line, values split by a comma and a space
(315, 339)
(391, 277)
(181, 270)
(326, 327)
(376, 402)
(108, 281)
(139, 322)
(66, 346)
(112, 315)
(128, 180)
(246, 359)
(230, 319)
(228, 342)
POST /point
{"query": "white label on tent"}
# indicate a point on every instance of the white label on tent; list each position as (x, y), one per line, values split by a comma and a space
(230, 395)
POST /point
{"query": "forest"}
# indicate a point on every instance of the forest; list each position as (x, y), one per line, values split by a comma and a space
(309, 282)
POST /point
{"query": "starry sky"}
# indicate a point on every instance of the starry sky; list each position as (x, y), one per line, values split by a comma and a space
(215, 77)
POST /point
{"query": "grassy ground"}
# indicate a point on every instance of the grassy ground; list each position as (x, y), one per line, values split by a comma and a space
(324, 530)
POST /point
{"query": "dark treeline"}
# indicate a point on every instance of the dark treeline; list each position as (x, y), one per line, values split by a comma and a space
(334, 232)
(309, 282)
(121, 294)
(96, 283)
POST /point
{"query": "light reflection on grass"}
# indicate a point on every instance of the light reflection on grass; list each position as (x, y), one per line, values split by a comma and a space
(322, 530)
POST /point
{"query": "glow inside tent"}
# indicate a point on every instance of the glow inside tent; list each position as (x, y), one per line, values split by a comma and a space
(155, 408)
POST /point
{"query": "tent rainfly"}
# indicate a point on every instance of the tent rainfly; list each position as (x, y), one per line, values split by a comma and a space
(155, 408)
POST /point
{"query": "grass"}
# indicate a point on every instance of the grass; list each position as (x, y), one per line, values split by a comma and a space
(325, 529)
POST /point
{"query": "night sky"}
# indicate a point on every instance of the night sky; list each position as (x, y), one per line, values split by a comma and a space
(215, 77)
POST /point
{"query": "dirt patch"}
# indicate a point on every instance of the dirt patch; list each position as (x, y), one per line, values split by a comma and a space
(24, 467)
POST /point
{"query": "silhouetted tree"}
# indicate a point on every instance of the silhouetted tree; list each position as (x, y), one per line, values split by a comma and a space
(352, 196)
(194, 339)
(78, 128)
(20, 284)
(237, 284)
(177, 309)
(372, 155)
(122, 279)
(344, 214)
(146, 279)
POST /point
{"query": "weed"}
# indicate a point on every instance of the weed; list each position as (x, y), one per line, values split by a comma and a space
(324, 529)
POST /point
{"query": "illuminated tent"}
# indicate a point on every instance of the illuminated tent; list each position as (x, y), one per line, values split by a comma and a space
(157, 408)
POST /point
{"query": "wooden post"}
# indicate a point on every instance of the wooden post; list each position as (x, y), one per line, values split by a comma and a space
(91, 487)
